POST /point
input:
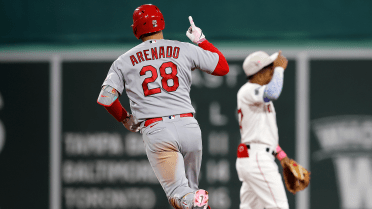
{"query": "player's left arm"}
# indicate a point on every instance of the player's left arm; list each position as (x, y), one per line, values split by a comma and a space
(280, 154)
(296, 177)
(196, 35)
(275, 86)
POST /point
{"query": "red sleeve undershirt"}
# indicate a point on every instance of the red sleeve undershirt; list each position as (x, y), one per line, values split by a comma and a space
(117, 110)
(222, 67)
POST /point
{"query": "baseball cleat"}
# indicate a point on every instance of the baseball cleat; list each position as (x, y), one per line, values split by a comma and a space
(200, 199)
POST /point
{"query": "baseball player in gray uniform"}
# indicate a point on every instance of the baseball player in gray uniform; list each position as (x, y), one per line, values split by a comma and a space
(156, 75)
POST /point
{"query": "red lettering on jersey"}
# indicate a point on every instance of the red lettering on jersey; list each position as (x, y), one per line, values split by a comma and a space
(140, 56)
(133, 59)
(268, 108)
(176, 52)
(161, 52)
(169, 51)
(241, 118)
(154, 52)
(154, 76)
(146, 54)
(166, 77)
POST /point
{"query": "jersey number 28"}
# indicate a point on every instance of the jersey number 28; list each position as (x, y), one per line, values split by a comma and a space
(165, 77)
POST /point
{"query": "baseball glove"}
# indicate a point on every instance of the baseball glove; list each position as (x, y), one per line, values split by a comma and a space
(296, 177)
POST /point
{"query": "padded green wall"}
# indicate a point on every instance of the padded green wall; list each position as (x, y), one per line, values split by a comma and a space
(83, 21)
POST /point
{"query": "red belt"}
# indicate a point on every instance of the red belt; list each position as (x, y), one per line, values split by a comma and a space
(153, 120)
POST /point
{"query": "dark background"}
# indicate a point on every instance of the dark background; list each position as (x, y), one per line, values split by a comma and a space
(44, 28)
(24, 160)
(337, 87)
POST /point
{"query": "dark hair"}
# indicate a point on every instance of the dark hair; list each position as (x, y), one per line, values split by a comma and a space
(267, 66)
(149, 34)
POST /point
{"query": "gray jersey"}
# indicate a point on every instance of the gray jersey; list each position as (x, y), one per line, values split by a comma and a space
(157, 76)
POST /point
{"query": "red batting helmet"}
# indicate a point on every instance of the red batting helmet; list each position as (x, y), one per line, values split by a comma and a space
(147, 19)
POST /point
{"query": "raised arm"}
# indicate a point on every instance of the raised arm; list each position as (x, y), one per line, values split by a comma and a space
(275, 86)
(196, 35)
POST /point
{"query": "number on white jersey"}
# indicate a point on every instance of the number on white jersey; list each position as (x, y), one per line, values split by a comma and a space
(240, 113)
(268, 108)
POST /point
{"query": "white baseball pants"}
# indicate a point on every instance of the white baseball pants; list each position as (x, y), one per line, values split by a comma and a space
(262, 183)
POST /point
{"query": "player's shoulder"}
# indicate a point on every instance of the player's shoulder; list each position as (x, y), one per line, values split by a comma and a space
(185, 47)
(133, 49)
(153, 43)
(248, 88)
(130, 52)
(179, 43)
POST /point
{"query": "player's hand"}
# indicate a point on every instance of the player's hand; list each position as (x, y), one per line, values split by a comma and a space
(129, 123)
(281, 61)
(194, 33)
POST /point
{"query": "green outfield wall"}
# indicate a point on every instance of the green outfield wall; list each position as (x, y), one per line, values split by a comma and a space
(74, 22)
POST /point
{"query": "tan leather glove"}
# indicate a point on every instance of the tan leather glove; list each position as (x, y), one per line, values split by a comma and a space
(296, 177)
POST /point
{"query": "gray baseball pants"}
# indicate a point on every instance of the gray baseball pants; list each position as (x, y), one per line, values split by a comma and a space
(174, 149)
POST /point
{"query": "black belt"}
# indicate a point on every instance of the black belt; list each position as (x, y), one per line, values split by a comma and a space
(267, 149)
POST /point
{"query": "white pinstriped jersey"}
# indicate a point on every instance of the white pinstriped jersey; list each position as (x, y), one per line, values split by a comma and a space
(257, 118)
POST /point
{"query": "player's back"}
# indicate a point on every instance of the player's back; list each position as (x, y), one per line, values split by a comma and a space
(157, 76)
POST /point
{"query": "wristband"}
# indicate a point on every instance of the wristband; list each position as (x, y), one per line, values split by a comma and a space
(201, 40)
(117, 110)
(280, 154)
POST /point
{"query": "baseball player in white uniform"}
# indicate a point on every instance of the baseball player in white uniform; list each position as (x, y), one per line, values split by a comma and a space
(262, 185)
(156, 76)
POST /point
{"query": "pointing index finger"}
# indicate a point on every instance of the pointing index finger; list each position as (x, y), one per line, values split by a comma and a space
(191, 21)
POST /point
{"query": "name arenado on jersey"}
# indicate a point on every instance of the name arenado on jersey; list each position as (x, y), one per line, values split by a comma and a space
(156, 53)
